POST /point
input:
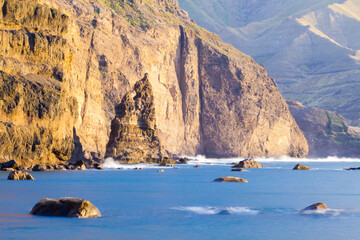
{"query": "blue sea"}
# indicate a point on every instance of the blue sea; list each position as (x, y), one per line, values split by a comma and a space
(184, 203)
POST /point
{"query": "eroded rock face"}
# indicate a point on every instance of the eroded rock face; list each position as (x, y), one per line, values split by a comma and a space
(134, 135)
(65, 207)
(20, 175)
(327, 133)
(64, 66)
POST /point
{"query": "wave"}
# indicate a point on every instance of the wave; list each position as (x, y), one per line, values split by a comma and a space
(218, 210)
(110, 163)
(324, 212)
(227, 161)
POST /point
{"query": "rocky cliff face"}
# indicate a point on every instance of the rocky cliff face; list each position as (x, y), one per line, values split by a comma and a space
(327, 133)
(75, 60)
(312, 49)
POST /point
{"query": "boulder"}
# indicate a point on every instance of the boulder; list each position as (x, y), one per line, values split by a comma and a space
(230, 179)
(39, 168)
(183, 161)
(248, 163)
(161, 170)
(237, 170)
(97, 166)
(197, 166)
(9, 164)
(314, 207)
(301, 167)
(65, 207)
(352, 169)
(138, 168)
(20, 175)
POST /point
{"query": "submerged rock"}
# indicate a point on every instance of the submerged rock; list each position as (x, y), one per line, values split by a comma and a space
(197, 166)
(20, 175)
(248, 163)
(301, 167)
(314, 207)
(161, 170)
(230, 179)
(352, 169)
(237, 170)
(224, 212)
(65, 207)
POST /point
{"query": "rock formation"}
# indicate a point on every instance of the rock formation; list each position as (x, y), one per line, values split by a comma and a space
(248, 163)
(20, 175)
(230, 179)
(65, 207)
(327, 133)
(64, 66)
(314, 207)
(134, 135)
(301, 167)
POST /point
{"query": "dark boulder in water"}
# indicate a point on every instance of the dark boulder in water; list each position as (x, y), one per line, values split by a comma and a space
(20, 175)
(314, 207)
(352, 169)
(301, 167)
(237, 170)
(65, 207)
(9, 164)
(224, 212)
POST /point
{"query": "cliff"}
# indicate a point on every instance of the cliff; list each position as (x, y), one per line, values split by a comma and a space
(327, 133)
(312, 49)
(74, 61)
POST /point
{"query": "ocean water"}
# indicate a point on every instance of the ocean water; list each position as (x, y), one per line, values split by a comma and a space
(184, 203)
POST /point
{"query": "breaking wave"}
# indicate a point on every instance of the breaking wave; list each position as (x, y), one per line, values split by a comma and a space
(110, 163)
(219, 210)
(226, 161)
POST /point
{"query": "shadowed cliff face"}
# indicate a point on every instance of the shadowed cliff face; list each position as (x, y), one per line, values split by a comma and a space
(327, 133)
(208, 97)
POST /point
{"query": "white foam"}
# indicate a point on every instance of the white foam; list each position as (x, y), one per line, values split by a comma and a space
(226, 161)
(110, 163)
(329, 211)
(216, 210)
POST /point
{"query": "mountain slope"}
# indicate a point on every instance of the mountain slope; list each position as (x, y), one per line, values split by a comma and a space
(311, 49)
(208, 97)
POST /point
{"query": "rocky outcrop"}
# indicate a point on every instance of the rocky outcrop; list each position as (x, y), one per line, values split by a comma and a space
(327, 133)
(65, 66)
(134, 135)
(230, 179)
(65, 207)
(301, 167)
(314, 207)
(20, 175)
(248, 163)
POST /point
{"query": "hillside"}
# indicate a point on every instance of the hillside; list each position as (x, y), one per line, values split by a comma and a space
(68, 81)
(311, 48)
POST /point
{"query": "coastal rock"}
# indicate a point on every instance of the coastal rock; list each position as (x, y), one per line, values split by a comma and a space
(65, 207)
(183, 161)
(230, 179)
(301, 167)
(20, 175)
(65, 66)
(352, 169)
(327, 133)
(314, 207)
(39, 168)
(9, 164)
(197, 166)
(161, 170)
(248, 163)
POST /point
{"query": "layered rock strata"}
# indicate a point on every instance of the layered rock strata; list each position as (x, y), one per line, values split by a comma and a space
(66, 65)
